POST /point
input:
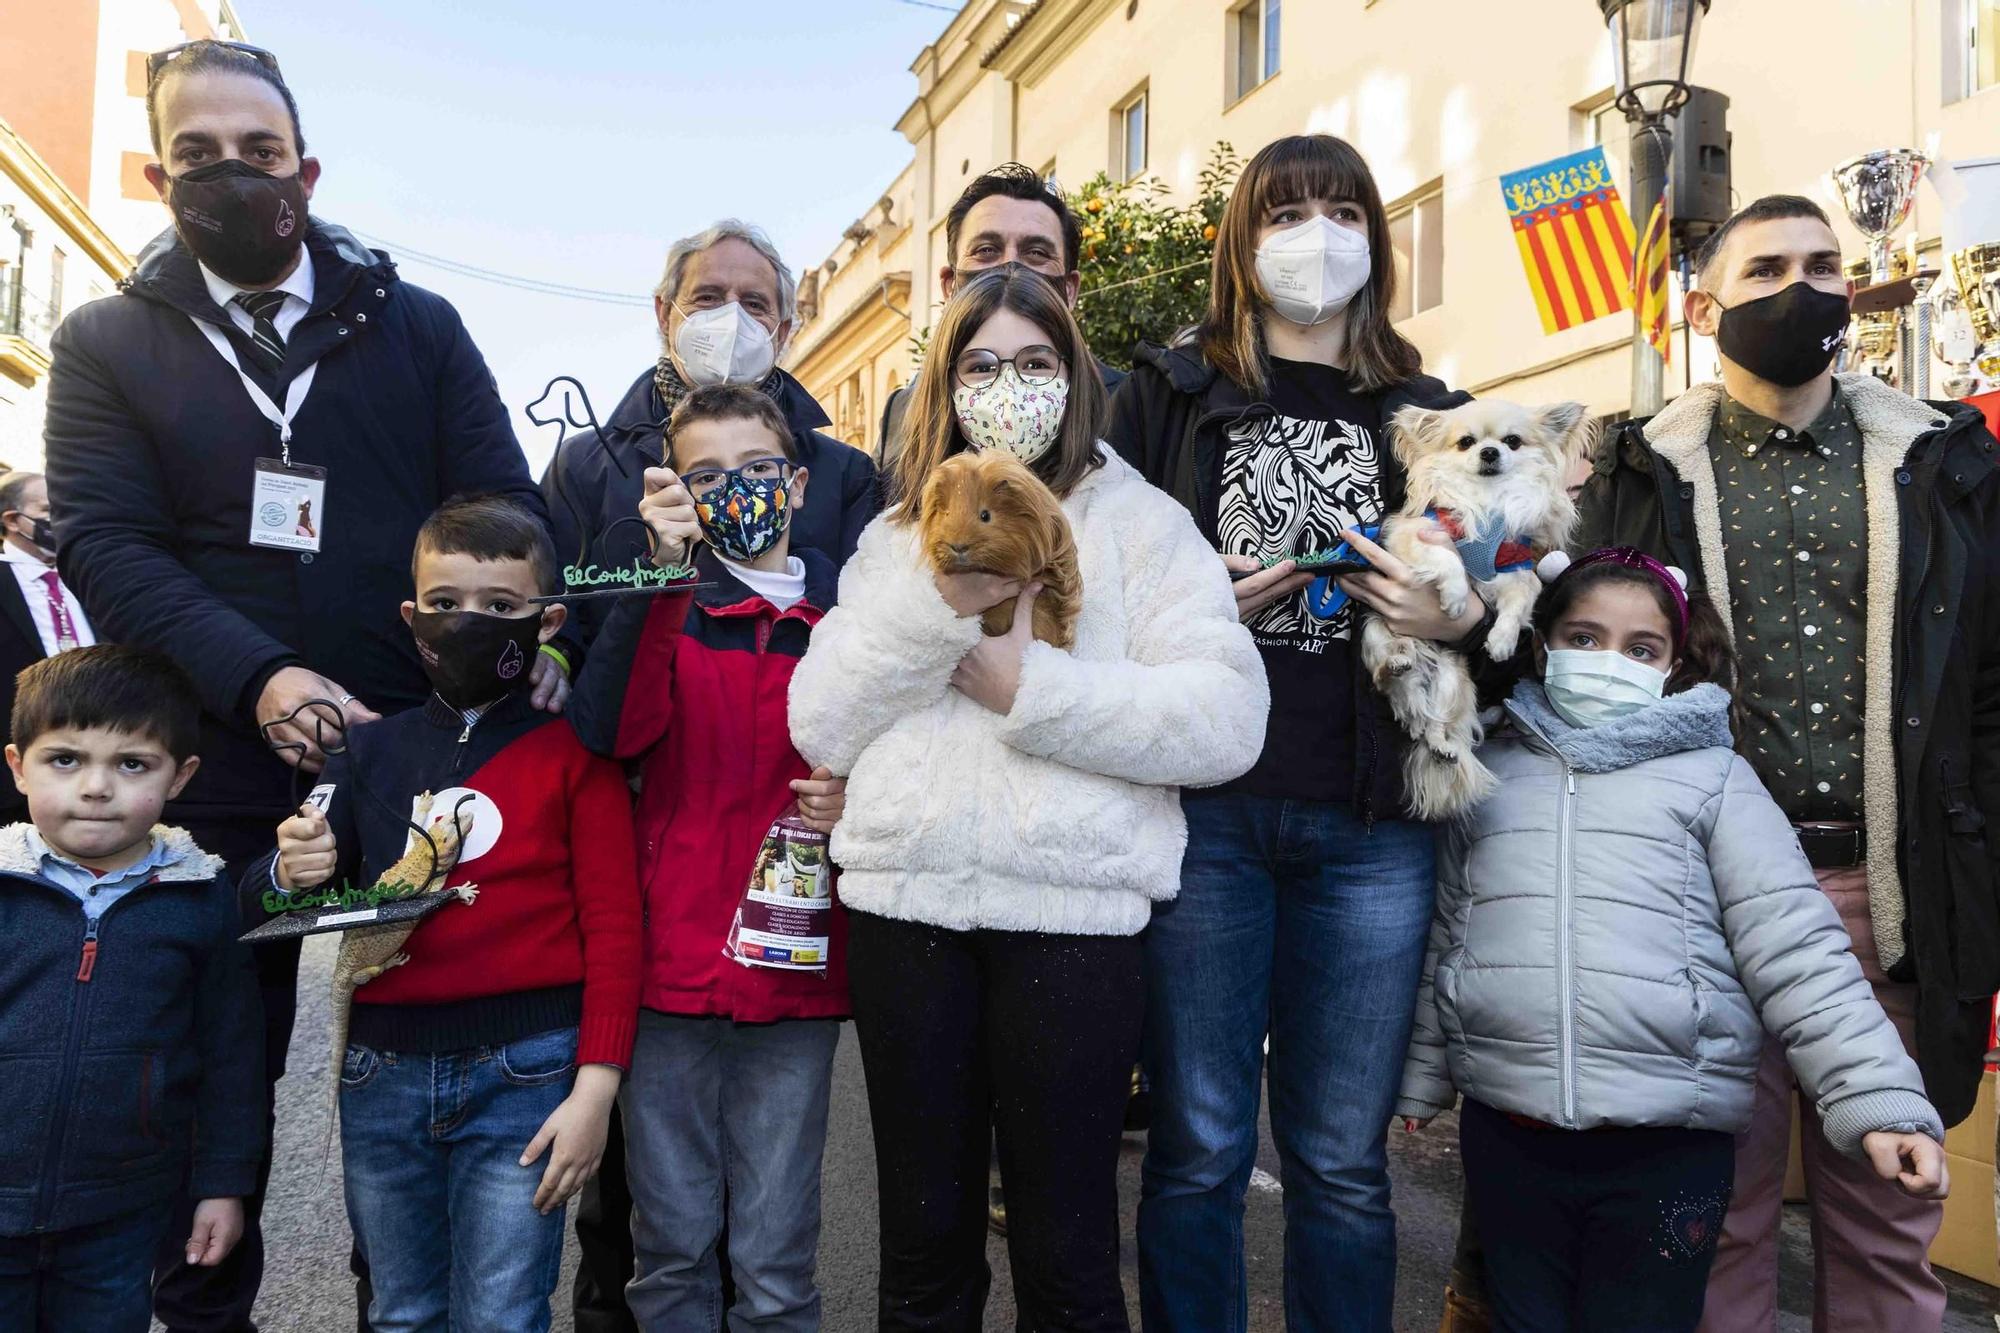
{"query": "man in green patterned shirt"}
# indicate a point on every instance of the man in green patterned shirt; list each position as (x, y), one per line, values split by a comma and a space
(1850, 538)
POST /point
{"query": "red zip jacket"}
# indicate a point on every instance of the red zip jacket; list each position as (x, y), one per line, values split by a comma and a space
(694, 685)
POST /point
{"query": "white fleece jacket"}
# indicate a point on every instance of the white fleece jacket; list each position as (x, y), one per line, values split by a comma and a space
(1063, 815)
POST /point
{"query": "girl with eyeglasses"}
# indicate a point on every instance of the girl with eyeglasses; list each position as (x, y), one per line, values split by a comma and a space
(1012, 813)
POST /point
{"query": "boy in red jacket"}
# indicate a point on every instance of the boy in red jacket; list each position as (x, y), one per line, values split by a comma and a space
(478, 1075)
(733, 1062)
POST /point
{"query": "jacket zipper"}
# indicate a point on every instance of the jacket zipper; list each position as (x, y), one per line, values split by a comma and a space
(458, 751)
(1565, 822)
(86, 968)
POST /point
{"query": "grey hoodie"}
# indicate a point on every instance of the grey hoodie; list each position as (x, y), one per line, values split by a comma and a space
(1614, 922)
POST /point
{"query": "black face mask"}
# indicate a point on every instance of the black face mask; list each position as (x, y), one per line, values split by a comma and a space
(41, 532)
(1788, 337)
(473, 658)
(244, 223)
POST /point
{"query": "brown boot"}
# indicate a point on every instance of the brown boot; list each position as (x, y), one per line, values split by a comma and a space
(1462, 1315)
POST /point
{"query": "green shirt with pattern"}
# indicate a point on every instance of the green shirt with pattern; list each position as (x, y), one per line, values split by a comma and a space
(1794, 539)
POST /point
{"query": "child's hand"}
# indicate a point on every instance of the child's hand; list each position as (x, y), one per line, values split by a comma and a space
(306, 853)
(1914, 1161)
(974, 593)
(1414, 1124)
(669, 511)
(822, 799)
(576, 1129)
(218, 1225)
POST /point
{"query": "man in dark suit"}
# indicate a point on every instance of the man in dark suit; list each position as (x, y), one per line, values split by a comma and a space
(39, 617)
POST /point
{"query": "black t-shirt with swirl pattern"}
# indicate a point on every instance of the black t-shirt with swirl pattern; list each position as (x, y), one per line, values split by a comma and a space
(1289, 484)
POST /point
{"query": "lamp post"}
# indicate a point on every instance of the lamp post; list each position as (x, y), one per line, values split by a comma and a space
(1652, 44)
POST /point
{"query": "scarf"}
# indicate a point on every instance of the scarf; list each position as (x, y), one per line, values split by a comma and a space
(667, 382)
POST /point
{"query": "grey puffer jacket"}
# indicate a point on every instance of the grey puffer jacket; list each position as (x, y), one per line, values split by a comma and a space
(1613, 923)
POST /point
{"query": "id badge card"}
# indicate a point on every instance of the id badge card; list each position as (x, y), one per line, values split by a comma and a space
(287, 502)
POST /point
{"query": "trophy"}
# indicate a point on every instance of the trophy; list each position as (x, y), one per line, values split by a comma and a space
(1954, 341)
(1877, 337)
(1878, 191)
(1976, 279)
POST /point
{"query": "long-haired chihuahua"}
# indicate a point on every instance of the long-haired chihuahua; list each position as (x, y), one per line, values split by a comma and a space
(1492, 475)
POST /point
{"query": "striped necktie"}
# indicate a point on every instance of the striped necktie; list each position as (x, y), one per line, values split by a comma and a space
(266, 344)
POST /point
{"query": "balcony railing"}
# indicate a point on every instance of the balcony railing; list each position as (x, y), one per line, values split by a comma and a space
(24, 314)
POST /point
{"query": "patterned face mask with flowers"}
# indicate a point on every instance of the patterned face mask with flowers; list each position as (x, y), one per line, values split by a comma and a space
(1012, 415)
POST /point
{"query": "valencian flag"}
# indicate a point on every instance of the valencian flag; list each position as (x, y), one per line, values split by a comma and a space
(1649, 280)
(1575, 238)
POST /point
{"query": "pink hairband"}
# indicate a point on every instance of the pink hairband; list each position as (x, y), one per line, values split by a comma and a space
(1556, 565)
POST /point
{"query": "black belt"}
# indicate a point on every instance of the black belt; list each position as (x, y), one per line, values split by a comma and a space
(1832, 847)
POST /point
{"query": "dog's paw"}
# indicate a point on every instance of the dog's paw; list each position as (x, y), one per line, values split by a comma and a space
(1502, 642)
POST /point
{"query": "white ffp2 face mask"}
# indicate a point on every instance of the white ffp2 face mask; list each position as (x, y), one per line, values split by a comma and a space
(1012, 415)
(723, 345)
(1310, 272)
(1589, 688)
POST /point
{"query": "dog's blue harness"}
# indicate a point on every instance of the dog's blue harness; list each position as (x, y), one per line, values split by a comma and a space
(1486, 552)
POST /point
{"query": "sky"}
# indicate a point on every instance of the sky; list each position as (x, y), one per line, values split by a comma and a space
(573, 142)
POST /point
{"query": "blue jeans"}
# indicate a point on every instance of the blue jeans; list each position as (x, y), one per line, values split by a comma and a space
(1295, 921)
(716, 1110)
(441, 1207)
(97, 1277)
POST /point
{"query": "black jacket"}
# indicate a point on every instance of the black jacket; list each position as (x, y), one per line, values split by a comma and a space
(1930, 470)
(587, 492)
(151, 446)
(1169, 420)
(20, 648)
(128, 1050)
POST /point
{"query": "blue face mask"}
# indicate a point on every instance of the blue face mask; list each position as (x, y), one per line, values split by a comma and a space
(1588, 689)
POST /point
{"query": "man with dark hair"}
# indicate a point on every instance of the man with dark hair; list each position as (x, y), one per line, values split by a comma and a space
(1009, 215)
(39, 617)
(258, 359)
(1850, 536)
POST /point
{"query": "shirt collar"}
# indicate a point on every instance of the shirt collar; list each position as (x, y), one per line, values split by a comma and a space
(222, 291)
(1750, 432)
(157, 856)
(14, 555)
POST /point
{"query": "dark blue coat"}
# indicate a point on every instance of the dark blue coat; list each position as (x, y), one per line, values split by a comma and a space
(587, 493)
(151, 445)
(113, 1075)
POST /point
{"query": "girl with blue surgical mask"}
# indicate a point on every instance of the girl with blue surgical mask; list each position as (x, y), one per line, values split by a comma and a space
(1617, 929)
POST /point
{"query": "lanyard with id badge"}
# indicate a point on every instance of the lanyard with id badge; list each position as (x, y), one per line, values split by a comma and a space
(287, 499)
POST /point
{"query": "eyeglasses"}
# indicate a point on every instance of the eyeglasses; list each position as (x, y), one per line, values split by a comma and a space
(159, 60)
(705, 483)
(976, 367)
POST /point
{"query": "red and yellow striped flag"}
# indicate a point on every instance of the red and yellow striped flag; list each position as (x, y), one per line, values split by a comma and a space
(1575, 238)
(1651, 293)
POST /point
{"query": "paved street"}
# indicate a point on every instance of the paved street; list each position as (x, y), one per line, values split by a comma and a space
(307, 1288)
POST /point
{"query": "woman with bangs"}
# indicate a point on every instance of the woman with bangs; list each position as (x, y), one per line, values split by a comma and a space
(1012, 814)
(1306, 889)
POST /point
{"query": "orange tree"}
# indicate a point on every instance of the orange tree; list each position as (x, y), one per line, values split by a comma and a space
(1145, 261)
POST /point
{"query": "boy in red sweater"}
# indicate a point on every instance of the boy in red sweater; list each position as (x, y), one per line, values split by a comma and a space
(478, 1075)
(732, 1068)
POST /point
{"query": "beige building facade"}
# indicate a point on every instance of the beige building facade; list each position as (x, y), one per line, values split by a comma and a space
(75, 206)
(1443, 97)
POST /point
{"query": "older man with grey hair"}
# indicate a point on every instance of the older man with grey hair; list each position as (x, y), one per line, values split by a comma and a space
(725, 304)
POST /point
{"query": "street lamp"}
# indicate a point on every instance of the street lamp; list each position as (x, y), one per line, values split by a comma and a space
(1652, 44)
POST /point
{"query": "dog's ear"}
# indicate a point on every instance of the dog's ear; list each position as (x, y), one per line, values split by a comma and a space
(1559, 421)
(1415, 431)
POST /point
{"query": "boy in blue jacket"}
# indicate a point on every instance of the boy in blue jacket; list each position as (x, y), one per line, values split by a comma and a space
(131, 1051)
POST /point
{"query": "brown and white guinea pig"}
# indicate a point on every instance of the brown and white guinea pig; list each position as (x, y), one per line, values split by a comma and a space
(989, 513)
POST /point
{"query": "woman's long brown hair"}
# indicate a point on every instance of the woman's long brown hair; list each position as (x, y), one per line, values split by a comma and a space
(1296, 170)
(930, 428)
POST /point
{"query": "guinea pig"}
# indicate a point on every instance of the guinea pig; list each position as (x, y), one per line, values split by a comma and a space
(989, 513)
